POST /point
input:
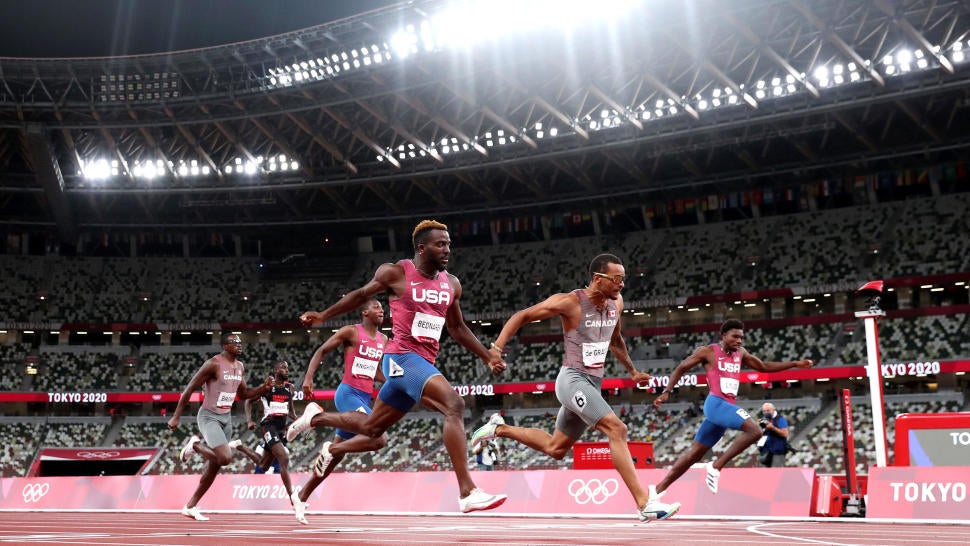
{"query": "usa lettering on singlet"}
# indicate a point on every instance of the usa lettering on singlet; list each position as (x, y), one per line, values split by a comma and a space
(419, 313)
(276, 402)
(220, 392)
(724, 376)
(588, 345)
(361, 363)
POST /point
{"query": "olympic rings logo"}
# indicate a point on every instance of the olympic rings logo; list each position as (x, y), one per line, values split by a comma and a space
(33, 492)
(594, 490)
(98, 454)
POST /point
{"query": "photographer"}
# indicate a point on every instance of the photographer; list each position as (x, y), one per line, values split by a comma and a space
(773, 445)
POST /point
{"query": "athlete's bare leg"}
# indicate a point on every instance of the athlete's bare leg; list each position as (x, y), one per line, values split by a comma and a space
(221, 455)
(373, 424)
(357, 444)
(279, 451)
(616, 432)
(694, 454)
(205, 482)
(555, 445)
(439, 395)
(750, 433)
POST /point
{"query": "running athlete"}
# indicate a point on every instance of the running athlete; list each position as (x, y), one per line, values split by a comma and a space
(424, 301)
(591, 328)
(277, 408)
(221, 379)
(363, 345)
(722, 363)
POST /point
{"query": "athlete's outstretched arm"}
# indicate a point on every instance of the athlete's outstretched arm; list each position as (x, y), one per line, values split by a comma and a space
(700, 356)
(340, 337)
(619, 351)
(385, 278)
(755, 363)
(208, 369)
(455, 322)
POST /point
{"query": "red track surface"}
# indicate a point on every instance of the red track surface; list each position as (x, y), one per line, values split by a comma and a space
(252, 529)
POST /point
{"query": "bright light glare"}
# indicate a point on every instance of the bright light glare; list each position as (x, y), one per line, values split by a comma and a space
(466, 24)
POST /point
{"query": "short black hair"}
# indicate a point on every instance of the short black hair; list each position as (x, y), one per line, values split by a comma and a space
(367, 304)
(599, 263)
(731, 324)
(279, 363)
(224, 338)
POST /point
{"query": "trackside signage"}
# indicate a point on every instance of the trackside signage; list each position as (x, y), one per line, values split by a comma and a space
(918, 492)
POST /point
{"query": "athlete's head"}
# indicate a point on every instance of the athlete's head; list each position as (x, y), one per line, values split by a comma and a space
(432, 243)
(372, 312)
(231, 343)
(281, 370)
(607, 275)
(732, 334)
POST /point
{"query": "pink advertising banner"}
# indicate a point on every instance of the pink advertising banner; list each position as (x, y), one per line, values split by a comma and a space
(919, 492)
(743, 491)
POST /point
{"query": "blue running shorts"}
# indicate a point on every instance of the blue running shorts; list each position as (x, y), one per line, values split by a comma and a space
(348, 398)
(407, 374)
(719, 415)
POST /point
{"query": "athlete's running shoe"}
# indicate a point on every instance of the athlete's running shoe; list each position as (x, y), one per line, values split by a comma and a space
(655, 509)
(480, 500)
(235, 443)
(487, 431)
(187, 450)
(713, 475)
(193, 513)
(323, 460)
(303, 422)
(299, 508)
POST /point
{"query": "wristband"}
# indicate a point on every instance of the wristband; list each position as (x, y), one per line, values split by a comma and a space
(494, 346)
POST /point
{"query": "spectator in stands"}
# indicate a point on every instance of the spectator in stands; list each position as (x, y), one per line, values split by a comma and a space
(773, 445)
(424, 302)
(363, 346)
(722, 362)
(591, 327)
(222, 379)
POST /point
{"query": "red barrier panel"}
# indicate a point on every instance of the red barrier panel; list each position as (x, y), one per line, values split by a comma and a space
(934, 439)
(780, 492)
(919, 492)
(596, 455)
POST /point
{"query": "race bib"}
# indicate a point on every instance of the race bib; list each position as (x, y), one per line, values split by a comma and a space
(278, 408)
(594, 353)
(364, 368)
(427, 326)
(729, 386)
(225, 399)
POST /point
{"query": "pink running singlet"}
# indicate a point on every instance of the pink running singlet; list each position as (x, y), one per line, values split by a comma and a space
(723, 376)
(419, 313)
(220, 392)
(360, 364)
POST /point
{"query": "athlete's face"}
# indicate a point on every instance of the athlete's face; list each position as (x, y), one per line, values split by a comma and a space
(374, 313)
(438, 249)
(282, 371)
(233, 345)
(610, 282)
(733, 339)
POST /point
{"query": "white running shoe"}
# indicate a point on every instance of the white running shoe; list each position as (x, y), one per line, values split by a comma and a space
(480, 500)
(713, 475)
(303, 422)
(655, 509)
(486, 431)
(299, 508)
(235, 443)
(322, 461)
(187, 450)
(193, 513)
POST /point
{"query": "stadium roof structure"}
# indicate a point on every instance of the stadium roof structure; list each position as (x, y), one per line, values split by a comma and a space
(420, 109)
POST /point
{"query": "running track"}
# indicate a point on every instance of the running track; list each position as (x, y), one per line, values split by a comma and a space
(276, 528)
